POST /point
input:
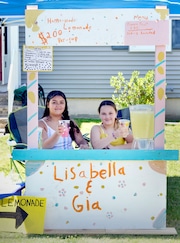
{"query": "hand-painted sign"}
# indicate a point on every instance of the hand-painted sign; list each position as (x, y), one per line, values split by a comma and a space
(22, 214)
(100, 194)
(87, 27)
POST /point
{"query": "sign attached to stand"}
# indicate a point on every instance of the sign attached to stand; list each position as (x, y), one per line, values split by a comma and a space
(100, 194)
(147, 33)
(87, 27)
(37, 58)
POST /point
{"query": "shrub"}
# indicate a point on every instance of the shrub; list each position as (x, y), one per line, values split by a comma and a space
(137, 90)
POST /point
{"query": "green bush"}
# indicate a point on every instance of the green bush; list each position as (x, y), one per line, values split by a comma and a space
(137, 90)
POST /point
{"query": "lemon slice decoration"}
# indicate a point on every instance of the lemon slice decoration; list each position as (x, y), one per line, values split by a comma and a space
(31, 96)
(160, 70)
(161, 56)
(160, 93)
(32, 76)
(160, 59)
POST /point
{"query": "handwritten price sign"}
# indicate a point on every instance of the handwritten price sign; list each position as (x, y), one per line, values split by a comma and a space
(147, 32)
(38, 58)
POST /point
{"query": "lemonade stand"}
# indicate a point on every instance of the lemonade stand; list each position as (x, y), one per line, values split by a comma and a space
(99, 191)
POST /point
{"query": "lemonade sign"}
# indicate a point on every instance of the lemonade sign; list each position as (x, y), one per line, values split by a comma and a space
(22, 214)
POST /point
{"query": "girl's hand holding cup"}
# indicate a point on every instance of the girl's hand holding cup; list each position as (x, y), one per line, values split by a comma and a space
(124, 127)
(63, 128)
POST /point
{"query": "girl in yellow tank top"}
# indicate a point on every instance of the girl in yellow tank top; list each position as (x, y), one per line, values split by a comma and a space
(115, 142)
(110, 134)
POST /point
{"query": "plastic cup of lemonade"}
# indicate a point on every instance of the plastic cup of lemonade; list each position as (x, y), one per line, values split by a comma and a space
(124, 126)
(66, 125)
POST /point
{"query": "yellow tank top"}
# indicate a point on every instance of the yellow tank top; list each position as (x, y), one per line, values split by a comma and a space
(116, 142)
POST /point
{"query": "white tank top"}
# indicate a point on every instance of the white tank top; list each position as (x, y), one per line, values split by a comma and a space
(62, 143)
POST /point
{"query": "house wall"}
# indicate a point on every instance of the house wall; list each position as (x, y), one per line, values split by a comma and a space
(83, 74)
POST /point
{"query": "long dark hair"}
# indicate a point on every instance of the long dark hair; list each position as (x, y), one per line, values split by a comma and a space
(65, 114)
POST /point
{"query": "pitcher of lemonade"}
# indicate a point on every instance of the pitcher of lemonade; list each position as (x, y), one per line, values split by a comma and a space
(142, 123)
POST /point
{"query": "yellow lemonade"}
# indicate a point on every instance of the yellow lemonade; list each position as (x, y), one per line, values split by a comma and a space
(142, 123)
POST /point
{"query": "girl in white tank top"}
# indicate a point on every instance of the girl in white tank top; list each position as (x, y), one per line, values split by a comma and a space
(52, 132)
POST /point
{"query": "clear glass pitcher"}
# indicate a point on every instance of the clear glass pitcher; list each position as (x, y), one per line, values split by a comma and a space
(142, 123)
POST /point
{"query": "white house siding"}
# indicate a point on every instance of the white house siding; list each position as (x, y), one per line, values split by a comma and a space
(83, 74)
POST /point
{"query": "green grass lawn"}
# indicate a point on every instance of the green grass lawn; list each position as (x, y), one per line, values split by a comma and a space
(172, 137)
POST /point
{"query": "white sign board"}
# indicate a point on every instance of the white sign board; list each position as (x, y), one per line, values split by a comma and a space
(37, 58)
(100, 194)
(86, 27)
